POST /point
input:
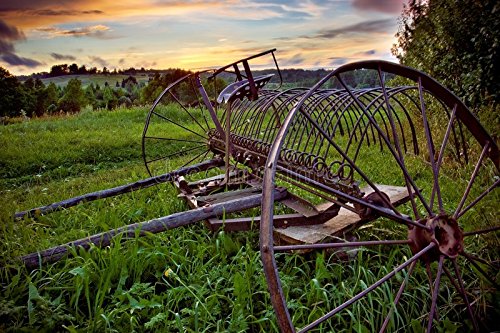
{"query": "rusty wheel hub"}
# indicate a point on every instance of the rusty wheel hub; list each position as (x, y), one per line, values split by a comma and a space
(443, 231)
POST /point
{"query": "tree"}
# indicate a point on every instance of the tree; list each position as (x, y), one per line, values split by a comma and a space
(9, 97)
(74, 97)
(456, 42)
(73, 69)
(59, 70)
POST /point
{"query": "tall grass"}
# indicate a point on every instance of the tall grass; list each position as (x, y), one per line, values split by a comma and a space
(184, 280)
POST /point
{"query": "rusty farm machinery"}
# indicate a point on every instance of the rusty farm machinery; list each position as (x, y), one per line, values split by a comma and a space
(321, 162)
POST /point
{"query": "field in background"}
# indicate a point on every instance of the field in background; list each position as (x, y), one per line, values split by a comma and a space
(99, 79)
(184, 280)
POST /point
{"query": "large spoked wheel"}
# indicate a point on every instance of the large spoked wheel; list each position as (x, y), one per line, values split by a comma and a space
(177, 127)
(405, 130)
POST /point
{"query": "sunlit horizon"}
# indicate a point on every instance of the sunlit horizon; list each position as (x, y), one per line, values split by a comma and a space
(193, 34)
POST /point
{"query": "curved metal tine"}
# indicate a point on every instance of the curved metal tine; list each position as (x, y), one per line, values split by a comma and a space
(173, 122)
(398, 296)
(483, 273)
(461, 291)
(479, 197)
(440, 158)
(403, 168)
(200, 100)
(367, 290)
(435, 293)
(169, 139)
(481, 260)
(397, 143)
(176, 153)
(472, 179)
(430, 147)
(189, 113)
(337, 245)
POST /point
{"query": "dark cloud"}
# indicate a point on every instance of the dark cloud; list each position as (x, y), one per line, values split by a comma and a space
(8, 35)
(384, 6)
(121, 61)
(59, 56)
(100, 61)
(48, 12)
(296, 59)
(96, 31)
(15, 60)
(11, 33)
(366, 27)
(337, 61)
(365, 53)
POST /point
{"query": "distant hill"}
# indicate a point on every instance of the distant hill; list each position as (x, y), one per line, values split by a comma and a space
(100, 79)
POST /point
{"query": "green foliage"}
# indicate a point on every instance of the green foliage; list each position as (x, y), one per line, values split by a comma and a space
(74, 97)
(457, 43)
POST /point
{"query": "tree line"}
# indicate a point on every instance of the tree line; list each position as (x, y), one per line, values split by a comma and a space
(33, 98)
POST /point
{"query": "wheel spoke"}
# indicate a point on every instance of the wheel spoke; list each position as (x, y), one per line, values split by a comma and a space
(187, 111)
(196, 157)
(461, 291)
(481, 196)
(169, 139)
(482, 231)
(398, 296)
(367, 290)
(430, 147)
(472, 260)
(472, 178)
(176, 153)
(173, 122)
(435, 293)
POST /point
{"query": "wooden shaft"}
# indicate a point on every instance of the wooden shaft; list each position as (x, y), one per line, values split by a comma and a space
(144, 183)
(34, 260)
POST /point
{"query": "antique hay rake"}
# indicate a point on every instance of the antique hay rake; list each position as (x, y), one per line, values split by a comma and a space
(314, 159)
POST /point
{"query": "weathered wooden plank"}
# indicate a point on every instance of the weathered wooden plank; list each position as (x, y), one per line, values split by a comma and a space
(161, 224)
(143, 183)
(344, 221)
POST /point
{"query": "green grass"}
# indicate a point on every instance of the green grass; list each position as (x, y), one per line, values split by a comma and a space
(184, 280)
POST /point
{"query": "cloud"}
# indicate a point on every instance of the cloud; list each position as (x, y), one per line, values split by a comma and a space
(59, 56)
(94, 31)
(384, 6)
(366, 27)
(364, 53)
(296, 59)
(15, 60)
(100, 61)
(337, 61)
(121, 61)
(8, 35)
(51, 12)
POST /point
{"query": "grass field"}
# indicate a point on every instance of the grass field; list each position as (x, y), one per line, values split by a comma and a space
(184, 280)
(99, 79)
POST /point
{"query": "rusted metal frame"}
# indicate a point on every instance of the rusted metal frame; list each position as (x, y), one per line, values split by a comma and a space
(317, 193)
(447, 97)
(223, 69)
(351, 163)
(276, 117)
(208, 104)
(279, 221)
(140, 229)
(368, 290)
(435, 293)
(183, 151)
(189, 113)
(251, 82)
(472, 179)
(320, 246)
(441, 154)
(391, 214)
(461, 291)
(430, 147)
(200, 100)
(398, 145)
(401, 165)
(141, 184)
(397, 298)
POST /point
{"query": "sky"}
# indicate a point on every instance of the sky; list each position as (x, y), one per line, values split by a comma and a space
(192, 34)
